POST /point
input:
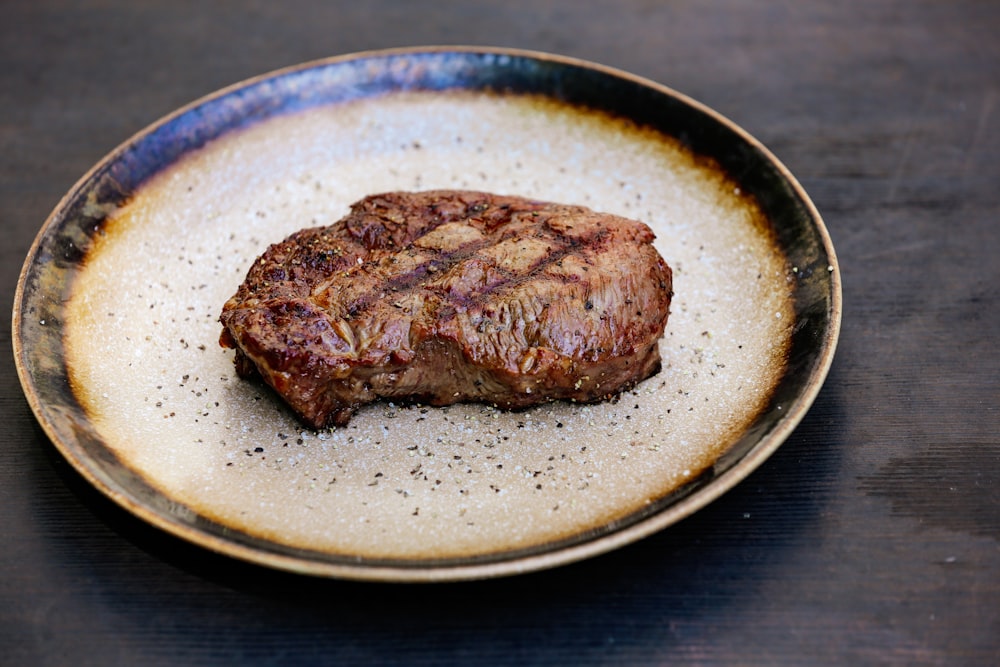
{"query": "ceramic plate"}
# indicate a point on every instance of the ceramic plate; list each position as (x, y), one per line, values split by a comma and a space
(116, 317)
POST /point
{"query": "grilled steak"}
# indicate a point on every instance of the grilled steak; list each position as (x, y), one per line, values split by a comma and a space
(450, 296)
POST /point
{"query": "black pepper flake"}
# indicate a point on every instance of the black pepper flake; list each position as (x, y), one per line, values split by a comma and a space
(258, 449)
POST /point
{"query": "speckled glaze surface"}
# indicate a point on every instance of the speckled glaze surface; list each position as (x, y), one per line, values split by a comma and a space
(55, 274)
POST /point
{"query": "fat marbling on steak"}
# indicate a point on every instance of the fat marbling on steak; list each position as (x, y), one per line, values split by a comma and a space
(450, 296)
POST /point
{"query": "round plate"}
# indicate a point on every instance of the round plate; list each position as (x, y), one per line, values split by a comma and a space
(115, 317)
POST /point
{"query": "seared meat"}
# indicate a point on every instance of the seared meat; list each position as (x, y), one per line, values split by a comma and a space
(450, 296)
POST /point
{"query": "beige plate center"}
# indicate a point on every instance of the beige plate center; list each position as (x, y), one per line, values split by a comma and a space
(412, 482)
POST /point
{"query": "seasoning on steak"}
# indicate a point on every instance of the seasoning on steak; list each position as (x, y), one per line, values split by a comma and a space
(450, 296)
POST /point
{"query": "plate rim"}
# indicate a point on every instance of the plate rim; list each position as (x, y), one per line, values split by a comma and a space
(691, 498)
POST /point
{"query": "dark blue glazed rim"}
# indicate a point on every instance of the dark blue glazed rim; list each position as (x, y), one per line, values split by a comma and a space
(62, 244)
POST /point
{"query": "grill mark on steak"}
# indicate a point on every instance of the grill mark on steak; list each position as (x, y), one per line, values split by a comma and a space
(450, 296)
(445, 263)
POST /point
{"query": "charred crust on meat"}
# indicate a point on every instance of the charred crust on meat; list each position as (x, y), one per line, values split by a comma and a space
(452, 296)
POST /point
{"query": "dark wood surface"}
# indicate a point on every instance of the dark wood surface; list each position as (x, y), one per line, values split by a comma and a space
(871, 537)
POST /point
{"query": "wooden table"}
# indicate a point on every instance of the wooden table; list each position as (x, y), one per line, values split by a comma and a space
(872, 536)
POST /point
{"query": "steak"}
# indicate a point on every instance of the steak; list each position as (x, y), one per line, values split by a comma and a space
(442, 297)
